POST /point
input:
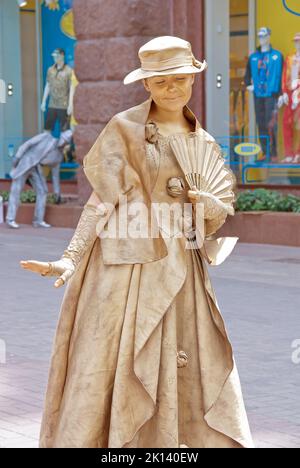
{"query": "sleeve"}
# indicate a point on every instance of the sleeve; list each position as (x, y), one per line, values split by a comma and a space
(27, 145)
(285, 77)
(213, 225)
(248, 75)
(48, 75)
(280, 70)
(70, 77)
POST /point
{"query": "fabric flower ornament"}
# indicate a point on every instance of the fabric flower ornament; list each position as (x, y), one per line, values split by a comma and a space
(151, 132)
(182, 359)
(175, 186)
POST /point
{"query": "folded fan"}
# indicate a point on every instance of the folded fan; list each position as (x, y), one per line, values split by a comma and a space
(203, 165)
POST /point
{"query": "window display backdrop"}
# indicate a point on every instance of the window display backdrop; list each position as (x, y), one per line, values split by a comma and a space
(58, 32)
(283, 18)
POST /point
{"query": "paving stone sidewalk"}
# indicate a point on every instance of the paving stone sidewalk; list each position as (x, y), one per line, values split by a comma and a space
(258, 293)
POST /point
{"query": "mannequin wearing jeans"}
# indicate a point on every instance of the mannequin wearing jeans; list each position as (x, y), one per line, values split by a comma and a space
(58, 88)
(263, 77)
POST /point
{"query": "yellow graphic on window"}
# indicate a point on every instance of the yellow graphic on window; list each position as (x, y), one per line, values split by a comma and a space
(67, 24)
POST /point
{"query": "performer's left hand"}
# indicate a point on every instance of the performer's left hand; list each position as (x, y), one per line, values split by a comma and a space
(212, 205)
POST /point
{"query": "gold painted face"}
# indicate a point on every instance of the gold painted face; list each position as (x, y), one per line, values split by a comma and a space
(170, 92)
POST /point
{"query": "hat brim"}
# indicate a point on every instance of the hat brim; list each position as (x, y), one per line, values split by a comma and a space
(140, 74)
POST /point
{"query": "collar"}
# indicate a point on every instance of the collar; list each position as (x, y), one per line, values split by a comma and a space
(267, 52)
(189, 114)
(59, 69)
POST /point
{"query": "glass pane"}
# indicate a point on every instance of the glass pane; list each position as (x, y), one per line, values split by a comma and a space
(239, 98)
(23, 76)
(265, 91)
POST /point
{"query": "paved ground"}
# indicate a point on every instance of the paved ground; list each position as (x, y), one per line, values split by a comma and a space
(257, 290)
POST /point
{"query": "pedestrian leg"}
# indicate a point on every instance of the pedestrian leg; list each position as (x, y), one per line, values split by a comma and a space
(40, 187)
(14, 197)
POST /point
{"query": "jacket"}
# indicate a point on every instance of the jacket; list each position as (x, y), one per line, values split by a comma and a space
(41, 149)
(116, 165)
(271, 84)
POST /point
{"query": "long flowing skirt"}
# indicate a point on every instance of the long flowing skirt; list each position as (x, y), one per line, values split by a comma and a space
(114, 380)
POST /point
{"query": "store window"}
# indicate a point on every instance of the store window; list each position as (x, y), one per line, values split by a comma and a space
(267, 82)
(35, 33)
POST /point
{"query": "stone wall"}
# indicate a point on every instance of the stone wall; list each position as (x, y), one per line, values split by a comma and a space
(109, 35)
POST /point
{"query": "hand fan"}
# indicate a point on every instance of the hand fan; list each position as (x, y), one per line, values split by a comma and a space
(203, 165)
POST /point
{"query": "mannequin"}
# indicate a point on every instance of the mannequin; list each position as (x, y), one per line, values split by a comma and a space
(136, 366)
(58, 88)
(263, 78)
(290, 99)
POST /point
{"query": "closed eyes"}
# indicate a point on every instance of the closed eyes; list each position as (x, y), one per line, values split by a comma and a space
(177, 79)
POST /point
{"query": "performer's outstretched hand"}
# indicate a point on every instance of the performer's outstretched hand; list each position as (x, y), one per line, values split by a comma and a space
(63, 268)
(82, 240)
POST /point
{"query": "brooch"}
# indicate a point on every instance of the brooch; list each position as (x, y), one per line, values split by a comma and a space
(182, 359)
(151, 132)
(175, 186)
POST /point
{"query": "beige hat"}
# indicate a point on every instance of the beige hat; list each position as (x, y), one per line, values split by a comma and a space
(166, 55)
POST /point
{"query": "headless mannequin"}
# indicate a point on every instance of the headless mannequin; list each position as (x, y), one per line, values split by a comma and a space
(291, 102)
(296, 81)
(284, 99)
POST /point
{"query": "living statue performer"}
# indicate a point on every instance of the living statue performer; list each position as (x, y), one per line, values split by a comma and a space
(141, 356)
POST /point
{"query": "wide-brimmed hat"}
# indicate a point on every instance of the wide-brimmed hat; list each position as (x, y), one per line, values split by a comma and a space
(165, 55)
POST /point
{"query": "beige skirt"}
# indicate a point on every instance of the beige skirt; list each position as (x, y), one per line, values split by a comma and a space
(114, 380)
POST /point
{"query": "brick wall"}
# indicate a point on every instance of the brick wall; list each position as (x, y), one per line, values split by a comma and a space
(109, 35)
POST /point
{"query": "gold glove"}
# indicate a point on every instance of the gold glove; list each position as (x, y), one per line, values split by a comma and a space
(215, 211)
(84, 236)
(213, 207)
